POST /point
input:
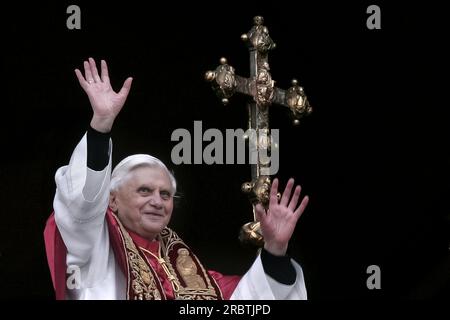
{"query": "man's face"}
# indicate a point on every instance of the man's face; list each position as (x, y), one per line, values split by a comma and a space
(144, 202)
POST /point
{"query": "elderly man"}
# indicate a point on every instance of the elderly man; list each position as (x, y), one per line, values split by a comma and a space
(108, 236)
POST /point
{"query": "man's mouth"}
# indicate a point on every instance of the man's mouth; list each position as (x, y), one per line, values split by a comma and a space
(153, 214)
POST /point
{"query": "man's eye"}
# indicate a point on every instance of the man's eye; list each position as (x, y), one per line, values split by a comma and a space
(165, 195)
(144, 189)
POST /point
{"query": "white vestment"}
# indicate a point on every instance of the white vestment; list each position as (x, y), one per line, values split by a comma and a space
(80, 204)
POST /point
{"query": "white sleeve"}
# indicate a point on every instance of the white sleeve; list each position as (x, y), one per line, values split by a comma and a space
(80, 204)
(256, 285)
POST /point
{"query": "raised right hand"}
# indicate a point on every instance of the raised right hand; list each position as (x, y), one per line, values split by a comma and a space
(106, 104)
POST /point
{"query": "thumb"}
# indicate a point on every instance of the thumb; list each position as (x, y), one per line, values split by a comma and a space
(81, 79)
(126, 87)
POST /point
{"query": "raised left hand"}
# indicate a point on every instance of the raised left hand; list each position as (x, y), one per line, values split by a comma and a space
(278, 222)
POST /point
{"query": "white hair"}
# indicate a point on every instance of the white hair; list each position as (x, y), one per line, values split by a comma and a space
(130, 163)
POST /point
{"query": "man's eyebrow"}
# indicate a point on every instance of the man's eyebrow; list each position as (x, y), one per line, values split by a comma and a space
(168, 189)
(142, 185)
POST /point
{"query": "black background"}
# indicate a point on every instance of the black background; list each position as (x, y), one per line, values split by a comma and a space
(372, 156)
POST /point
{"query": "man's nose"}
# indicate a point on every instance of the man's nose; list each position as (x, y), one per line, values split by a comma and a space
(156, 200)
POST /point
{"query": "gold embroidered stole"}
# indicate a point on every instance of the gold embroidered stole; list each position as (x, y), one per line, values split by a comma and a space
(189, 279)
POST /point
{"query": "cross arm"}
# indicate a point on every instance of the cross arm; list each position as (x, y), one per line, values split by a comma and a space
(225, 83)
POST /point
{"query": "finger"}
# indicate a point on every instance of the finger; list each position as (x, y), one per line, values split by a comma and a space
(81, 79)
(301, 208)
(126, 87)
(295, 197)
(105, 74)
(260, 213)
(87, 72)
(287, 193)
(273, 193)
(94, 70)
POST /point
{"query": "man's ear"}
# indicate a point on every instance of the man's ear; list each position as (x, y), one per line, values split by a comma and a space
(113, 202)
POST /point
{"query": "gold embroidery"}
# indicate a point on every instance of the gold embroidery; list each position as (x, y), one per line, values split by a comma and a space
(143, 283)
(169, 240)
(172, 278)
(188, 270)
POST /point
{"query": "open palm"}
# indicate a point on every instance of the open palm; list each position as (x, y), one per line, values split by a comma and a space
(106, 104)
(279, 221)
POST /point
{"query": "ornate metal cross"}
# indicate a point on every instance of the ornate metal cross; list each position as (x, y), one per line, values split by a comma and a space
(261, 88)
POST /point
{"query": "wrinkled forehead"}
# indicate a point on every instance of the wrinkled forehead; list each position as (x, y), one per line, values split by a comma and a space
(153, 176)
